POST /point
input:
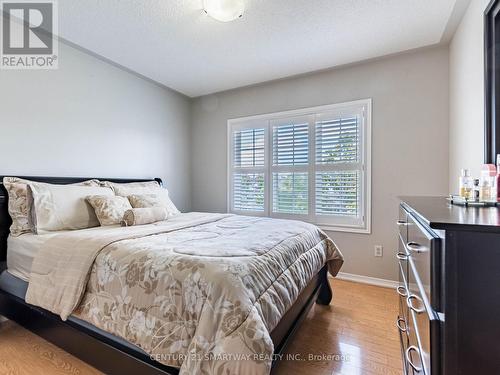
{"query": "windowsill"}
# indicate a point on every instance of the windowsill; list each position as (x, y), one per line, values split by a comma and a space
(332, 228)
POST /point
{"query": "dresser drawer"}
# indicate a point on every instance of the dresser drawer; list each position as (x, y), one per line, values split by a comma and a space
(414, 355)
(424, 249)
(402, 224)
(423, 322)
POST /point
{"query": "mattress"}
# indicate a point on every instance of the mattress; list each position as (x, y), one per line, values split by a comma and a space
(21, 251)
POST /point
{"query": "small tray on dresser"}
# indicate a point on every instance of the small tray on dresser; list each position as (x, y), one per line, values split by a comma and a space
(460, 201)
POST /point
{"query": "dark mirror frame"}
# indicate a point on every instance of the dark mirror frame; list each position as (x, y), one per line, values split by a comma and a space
(492, 81)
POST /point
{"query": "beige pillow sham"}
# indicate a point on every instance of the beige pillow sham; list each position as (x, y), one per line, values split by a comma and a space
(18, 207)
(109, 209)
(130, 188)
(152, 195)
(153, 200)
(62, 207)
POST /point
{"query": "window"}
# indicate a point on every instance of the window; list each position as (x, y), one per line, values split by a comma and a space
(311, 164)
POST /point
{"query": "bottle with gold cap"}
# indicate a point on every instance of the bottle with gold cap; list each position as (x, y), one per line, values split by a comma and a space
(465, 184)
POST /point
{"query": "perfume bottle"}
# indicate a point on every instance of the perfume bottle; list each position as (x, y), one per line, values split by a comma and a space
(465, 184)
(488, 187)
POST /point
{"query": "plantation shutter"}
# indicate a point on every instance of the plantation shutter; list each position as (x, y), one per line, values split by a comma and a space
(337, 193)
(290, 177)
(339, 168)
(337, 140)
(248, 164)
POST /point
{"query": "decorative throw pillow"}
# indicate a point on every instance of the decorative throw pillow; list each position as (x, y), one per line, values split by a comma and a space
(145, 200)
(62, 207)
(153, 200)
(162, 198)
(17, 189)
(141, 216)
(18, 205)
(109, 209)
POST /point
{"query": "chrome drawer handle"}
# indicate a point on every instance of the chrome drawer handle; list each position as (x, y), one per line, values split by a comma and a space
(398, 324)
(409, 302)
(408, 357)
(401, 290)
(401, 223)
(415, 247)
(401, 256)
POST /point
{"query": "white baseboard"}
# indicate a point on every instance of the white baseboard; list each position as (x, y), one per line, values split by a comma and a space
(367, 280)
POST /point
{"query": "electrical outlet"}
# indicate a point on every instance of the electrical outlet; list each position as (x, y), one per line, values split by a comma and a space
(379, 251)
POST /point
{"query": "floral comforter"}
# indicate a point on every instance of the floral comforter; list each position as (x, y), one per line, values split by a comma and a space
(200, 291)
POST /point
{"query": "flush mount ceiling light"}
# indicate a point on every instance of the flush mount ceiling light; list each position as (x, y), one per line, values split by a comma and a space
(224, 10)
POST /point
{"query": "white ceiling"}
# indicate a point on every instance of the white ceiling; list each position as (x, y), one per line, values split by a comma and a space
(176, 44)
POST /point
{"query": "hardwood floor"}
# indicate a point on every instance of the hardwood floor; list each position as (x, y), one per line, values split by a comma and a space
(24, 353)
(357, 331)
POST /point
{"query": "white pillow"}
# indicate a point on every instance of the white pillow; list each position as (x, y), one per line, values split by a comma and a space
(145, 188)
(18, 202)
(61, 207)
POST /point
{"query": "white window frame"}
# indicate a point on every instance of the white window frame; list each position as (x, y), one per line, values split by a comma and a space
(266, 121)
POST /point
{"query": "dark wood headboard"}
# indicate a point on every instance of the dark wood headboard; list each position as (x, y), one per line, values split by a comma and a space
(5, 219)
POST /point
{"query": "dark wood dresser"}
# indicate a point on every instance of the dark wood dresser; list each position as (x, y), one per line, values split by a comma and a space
(449, 287)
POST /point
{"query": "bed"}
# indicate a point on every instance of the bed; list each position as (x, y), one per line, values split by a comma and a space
(121, 321)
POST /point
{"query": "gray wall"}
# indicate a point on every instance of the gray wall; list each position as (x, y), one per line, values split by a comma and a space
(89, 118)
(410, 139)
(467, 94)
